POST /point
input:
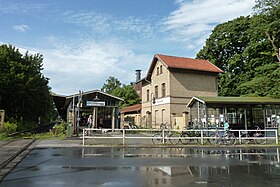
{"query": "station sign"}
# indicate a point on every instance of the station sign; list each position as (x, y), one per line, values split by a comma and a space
(161, 101)
(95, 103)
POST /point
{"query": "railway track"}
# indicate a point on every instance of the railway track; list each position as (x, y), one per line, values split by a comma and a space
(11, 153)
(40, 129)
(11, 149)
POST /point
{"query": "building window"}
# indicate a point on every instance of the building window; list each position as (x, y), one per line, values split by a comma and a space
(163, 116)
(156, 92)
(163, 90)
(157, 70)
(148, 95)
(156, 118)
(160, 69)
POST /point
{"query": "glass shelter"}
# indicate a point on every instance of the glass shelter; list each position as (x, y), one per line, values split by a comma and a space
(240, 112)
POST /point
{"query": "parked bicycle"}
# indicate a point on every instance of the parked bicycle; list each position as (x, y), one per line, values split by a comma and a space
(250, 137)
(159, 137)
(189, 137)
(222, 137)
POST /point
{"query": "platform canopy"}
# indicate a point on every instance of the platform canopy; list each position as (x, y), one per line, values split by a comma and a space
(212, 101)
(62, 102)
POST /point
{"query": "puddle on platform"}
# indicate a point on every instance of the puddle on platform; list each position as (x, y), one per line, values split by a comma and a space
(194, 175)
(148, 167)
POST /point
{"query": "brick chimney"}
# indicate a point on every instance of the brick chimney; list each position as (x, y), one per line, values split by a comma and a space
(138, 75)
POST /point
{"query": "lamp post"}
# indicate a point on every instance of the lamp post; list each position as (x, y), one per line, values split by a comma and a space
(153, 101)
(80, 101)
(95, 111)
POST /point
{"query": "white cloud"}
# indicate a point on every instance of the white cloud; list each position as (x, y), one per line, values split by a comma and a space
(21, 28)
(82, 63)
(97, 21)
(19, 7)
(194, 20)
(107, 24)
(87, 64)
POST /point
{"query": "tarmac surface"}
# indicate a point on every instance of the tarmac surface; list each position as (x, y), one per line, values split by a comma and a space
(68, 163)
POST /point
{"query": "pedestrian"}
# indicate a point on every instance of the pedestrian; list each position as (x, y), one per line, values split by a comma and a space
(89, 121)
(226, 127)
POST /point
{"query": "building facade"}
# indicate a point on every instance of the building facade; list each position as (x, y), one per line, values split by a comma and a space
(170, 84)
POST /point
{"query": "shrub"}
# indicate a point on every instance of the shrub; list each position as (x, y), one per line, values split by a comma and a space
(3, 136)
(60, 129)
(9, 128)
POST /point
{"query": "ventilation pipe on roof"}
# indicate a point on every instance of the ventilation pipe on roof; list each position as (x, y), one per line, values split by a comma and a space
(138, 75)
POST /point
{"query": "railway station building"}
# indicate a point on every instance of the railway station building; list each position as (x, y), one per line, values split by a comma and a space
(170, 84)
(76, 108)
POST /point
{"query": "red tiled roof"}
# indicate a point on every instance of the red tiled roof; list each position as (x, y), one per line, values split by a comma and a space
(133, 108)
(188, 63)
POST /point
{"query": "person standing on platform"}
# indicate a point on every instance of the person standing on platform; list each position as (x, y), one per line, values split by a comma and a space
(226, 128)
(89, 121)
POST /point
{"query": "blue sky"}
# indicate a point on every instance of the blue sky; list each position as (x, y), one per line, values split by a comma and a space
(86, 41)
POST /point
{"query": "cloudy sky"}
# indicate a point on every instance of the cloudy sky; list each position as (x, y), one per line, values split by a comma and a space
(86, 41)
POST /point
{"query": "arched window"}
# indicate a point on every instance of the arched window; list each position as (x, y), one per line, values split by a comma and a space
(163, 90)
(156, 92)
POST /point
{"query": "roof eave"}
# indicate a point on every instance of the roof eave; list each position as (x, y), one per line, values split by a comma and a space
(151, 68)
(193, 100)
(95, 91)
(194, 70)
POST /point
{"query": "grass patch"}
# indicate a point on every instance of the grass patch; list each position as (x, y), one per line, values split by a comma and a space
(44, 136)
(4, 136)
(58, 132)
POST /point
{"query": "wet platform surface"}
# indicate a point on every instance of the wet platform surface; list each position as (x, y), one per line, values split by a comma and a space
(147, 167)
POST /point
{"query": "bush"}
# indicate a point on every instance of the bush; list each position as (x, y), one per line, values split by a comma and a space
(9, 128)
(3, 136)
(60, 129)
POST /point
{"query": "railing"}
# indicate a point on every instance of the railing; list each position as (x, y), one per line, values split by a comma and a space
(266, 135)
(204, 134)
(88, 133)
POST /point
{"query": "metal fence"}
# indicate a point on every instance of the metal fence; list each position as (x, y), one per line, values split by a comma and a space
(202, 135)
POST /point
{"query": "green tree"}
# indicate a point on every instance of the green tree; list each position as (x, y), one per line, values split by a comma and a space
(111, 84)
(127, 93)
(267, 15)
(265, 6)
(114, 86)
(264, 51)
(224, 48)
(24, 93)
(265, 83)
(246, 49)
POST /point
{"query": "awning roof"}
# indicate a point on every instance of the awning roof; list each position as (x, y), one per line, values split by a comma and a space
(235, 100)
(95, 91)
(62, 102)
(133, 108)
